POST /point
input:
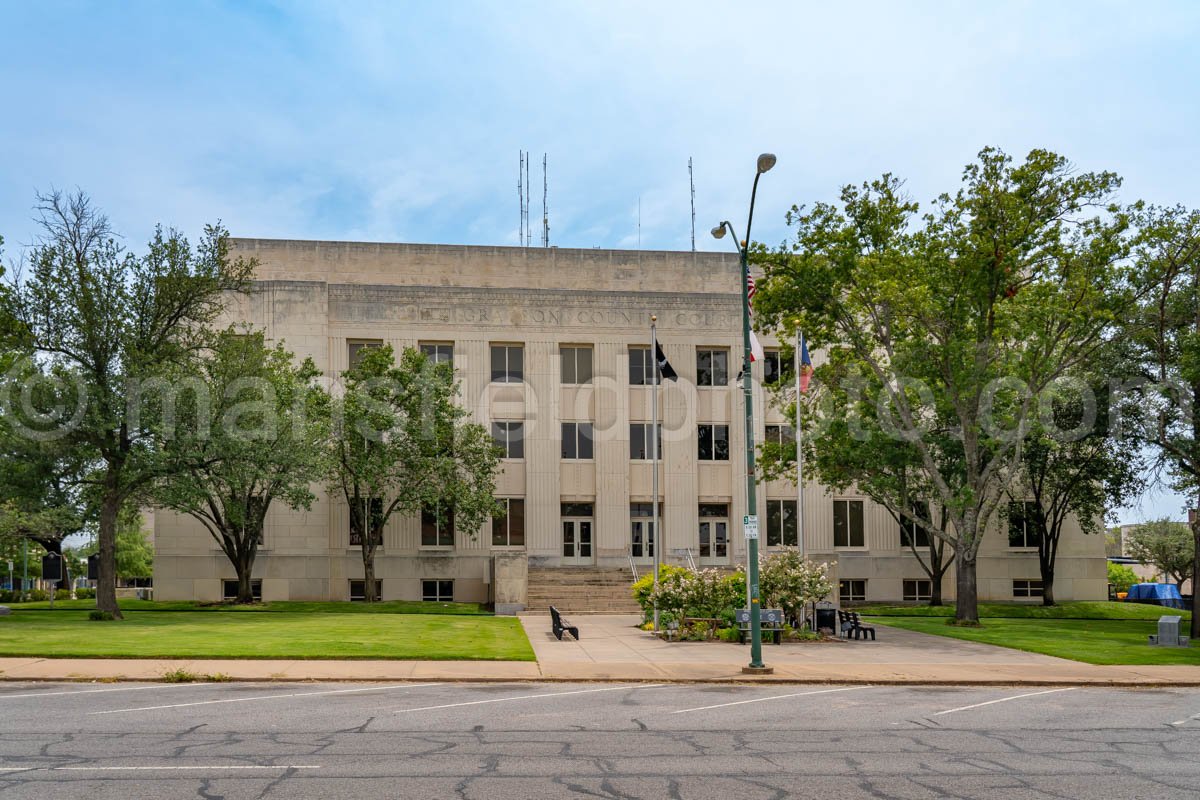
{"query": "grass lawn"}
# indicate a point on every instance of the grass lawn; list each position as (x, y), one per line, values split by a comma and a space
(286, 607)
(1081, 610)
(204, 634)
(1094, 641)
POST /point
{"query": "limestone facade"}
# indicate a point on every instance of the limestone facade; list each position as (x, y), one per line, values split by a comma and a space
(550, 342)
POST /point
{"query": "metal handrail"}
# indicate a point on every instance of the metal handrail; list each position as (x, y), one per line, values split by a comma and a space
(632, 566)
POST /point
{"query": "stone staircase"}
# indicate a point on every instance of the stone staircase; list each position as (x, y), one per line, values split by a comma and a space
(580, 590)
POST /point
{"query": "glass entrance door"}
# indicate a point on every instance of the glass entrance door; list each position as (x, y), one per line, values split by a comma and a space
(576, 533)
(714, 533)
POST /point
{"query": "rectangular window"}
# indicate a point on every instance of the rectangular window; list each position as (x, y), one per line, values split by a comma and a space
(1022, 532)
(509, 530)
(437, 527)
(852, 591)
(848, 523)
(1027, 588)
(712, 367)
(229, 589)
(712, 442)
(780, 434)
(438, 352)
(508, 363)
(771, 366)
(510, 437)
(577, 440)
(910, 531)
(641, 367)
(641, 529)
(576, 365)
(437, 591)
(640, 443)
(355, 347)
(374, 509)
(358, 590)
(782, 530)
(576, 510)
(918, 591)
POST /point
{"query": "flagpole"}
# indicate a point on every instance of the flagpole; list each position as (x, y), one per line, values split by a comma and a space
(799, 449)
(654, 530)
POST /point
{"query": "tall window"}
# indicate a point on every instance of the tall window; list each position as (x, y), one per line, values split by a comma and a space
(508, 363)
(437, 527)
(852, 590)
(640, 443)
(712, 367)
(509, 530)
(780, 434)
(641, 529)
(577, 440)
(713, 442)
(1027, 588)
(576, 364)
(355, 348)
(910, 531)
(771, 366)
(641, 367)
(358, 524)
(916, 591)
(848, 523)
(438, 352)
(510, 437)
(437, 591)
(1022, 532)
(782, 530)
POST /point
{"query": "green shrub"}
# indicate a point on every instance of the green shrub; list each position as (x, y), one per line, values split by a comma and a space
(644, 585)
(37, 595)
(728, 634)
(100, 616)
(1121, 576)
(85, 593)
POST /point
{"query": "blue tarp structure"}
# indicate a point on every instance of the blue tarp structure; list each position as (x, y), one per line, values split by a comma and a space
(1160, 594)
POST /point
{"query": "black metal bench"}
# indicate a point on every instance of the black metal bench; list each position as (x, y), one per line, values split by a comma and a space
(562, 625)
(851, 623)
(770, 621)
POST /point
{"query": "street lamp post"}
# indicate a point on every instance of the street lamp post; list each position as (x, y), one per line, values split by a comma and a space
(765, 162)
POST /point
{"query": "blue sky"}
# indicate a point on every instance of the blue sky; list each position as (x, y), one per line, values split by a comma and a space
(402, 121)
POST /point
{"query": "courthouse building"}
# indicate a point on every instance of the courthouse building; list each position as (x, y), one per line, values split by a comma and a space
(551, 347)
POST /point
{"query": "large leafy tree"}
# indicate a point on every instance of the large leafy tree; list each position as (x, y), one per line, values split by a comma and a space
(108, 322)
(402, 445)
(1168, 351)
(135, 554)
(251, 428)
(1079, 462)
(958, 319)
(1167, 546)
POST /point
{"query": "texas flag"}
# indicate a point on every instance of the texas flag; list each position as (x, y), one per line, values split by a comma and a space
(806, 367)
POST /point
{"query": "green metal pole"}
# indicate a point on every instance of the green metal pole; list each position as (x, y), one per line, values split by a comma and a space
(24, 568)
(756, 661)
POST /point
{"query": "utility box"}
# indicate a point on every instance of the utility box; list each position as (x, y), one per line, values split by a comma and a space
(826, 617)
(1168, 633)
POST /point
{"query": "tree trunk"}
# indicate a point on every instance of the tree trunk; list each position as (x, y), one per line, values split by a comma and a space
(368, 574)
(1196, 571)
(106, 585)
(244, 566)
(1048, 587)
(966, 608)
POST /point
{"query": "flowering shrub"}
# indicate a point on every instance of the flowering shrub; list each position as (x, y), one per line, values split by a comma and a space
(790, 582)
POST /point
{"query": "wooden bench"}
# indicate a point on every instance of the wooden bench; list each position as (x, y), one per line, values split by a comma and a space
(770, 621)
(851, 623)
(562, 625)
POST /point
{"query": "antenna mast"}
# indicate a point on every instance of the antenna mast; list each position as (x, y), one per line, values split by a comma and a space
(692, 183)
(545, 206)
(521, 197)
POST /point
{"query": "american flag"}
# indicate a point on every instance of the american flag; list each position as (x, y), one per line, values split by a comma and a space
(750, 287)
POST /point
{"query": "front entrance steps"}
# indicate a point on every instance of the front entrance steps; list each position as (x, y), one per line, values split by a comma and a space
(580, 590)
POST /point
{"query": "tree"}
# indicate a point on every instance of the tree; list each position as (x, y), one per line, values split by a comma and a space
(135, 554)
(1165, 545)
(109, 322)
(401, 445)
(1121, 577)
(959, 319)
(1167, 355)
(251, 429)
(1078, 462)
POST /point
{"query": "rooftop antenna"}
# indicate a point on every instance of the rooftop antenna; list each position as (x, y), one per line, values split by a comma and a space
(692, 183)
(639, 222)
(545, 207)
(521, 197)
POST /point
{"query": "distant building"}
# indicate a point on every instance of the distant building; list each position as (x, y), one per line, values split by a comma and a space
(552, 350)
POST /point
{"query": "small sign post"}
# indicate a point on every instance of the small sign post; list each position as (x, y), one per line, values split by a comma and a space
(750, 526)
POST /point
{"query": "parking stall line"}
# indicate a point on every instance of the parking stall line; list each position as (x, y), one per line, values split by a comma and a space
(526, 697)
(772, 697)
(1186, 720)
(1002, 700)
(266, 697)
(97, 691)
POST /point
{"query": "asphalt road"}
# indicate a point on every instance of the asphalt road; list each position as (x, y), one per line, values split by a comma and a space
(522, 741)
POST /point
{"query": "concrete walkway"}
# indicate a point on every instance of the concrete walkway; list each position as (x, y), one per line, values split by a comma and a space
(613, 649)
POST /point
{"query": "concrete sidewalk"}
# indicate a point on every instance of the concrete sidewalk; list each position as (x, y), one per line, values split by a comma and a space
(613, 649)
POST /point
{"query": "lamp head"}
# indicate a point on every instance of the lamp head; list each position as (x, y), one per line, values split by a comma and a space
(765, 162)
(719, 231)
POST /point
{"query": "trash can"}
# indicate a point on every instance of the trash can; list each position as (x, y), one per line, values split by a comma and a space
(827, 617)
